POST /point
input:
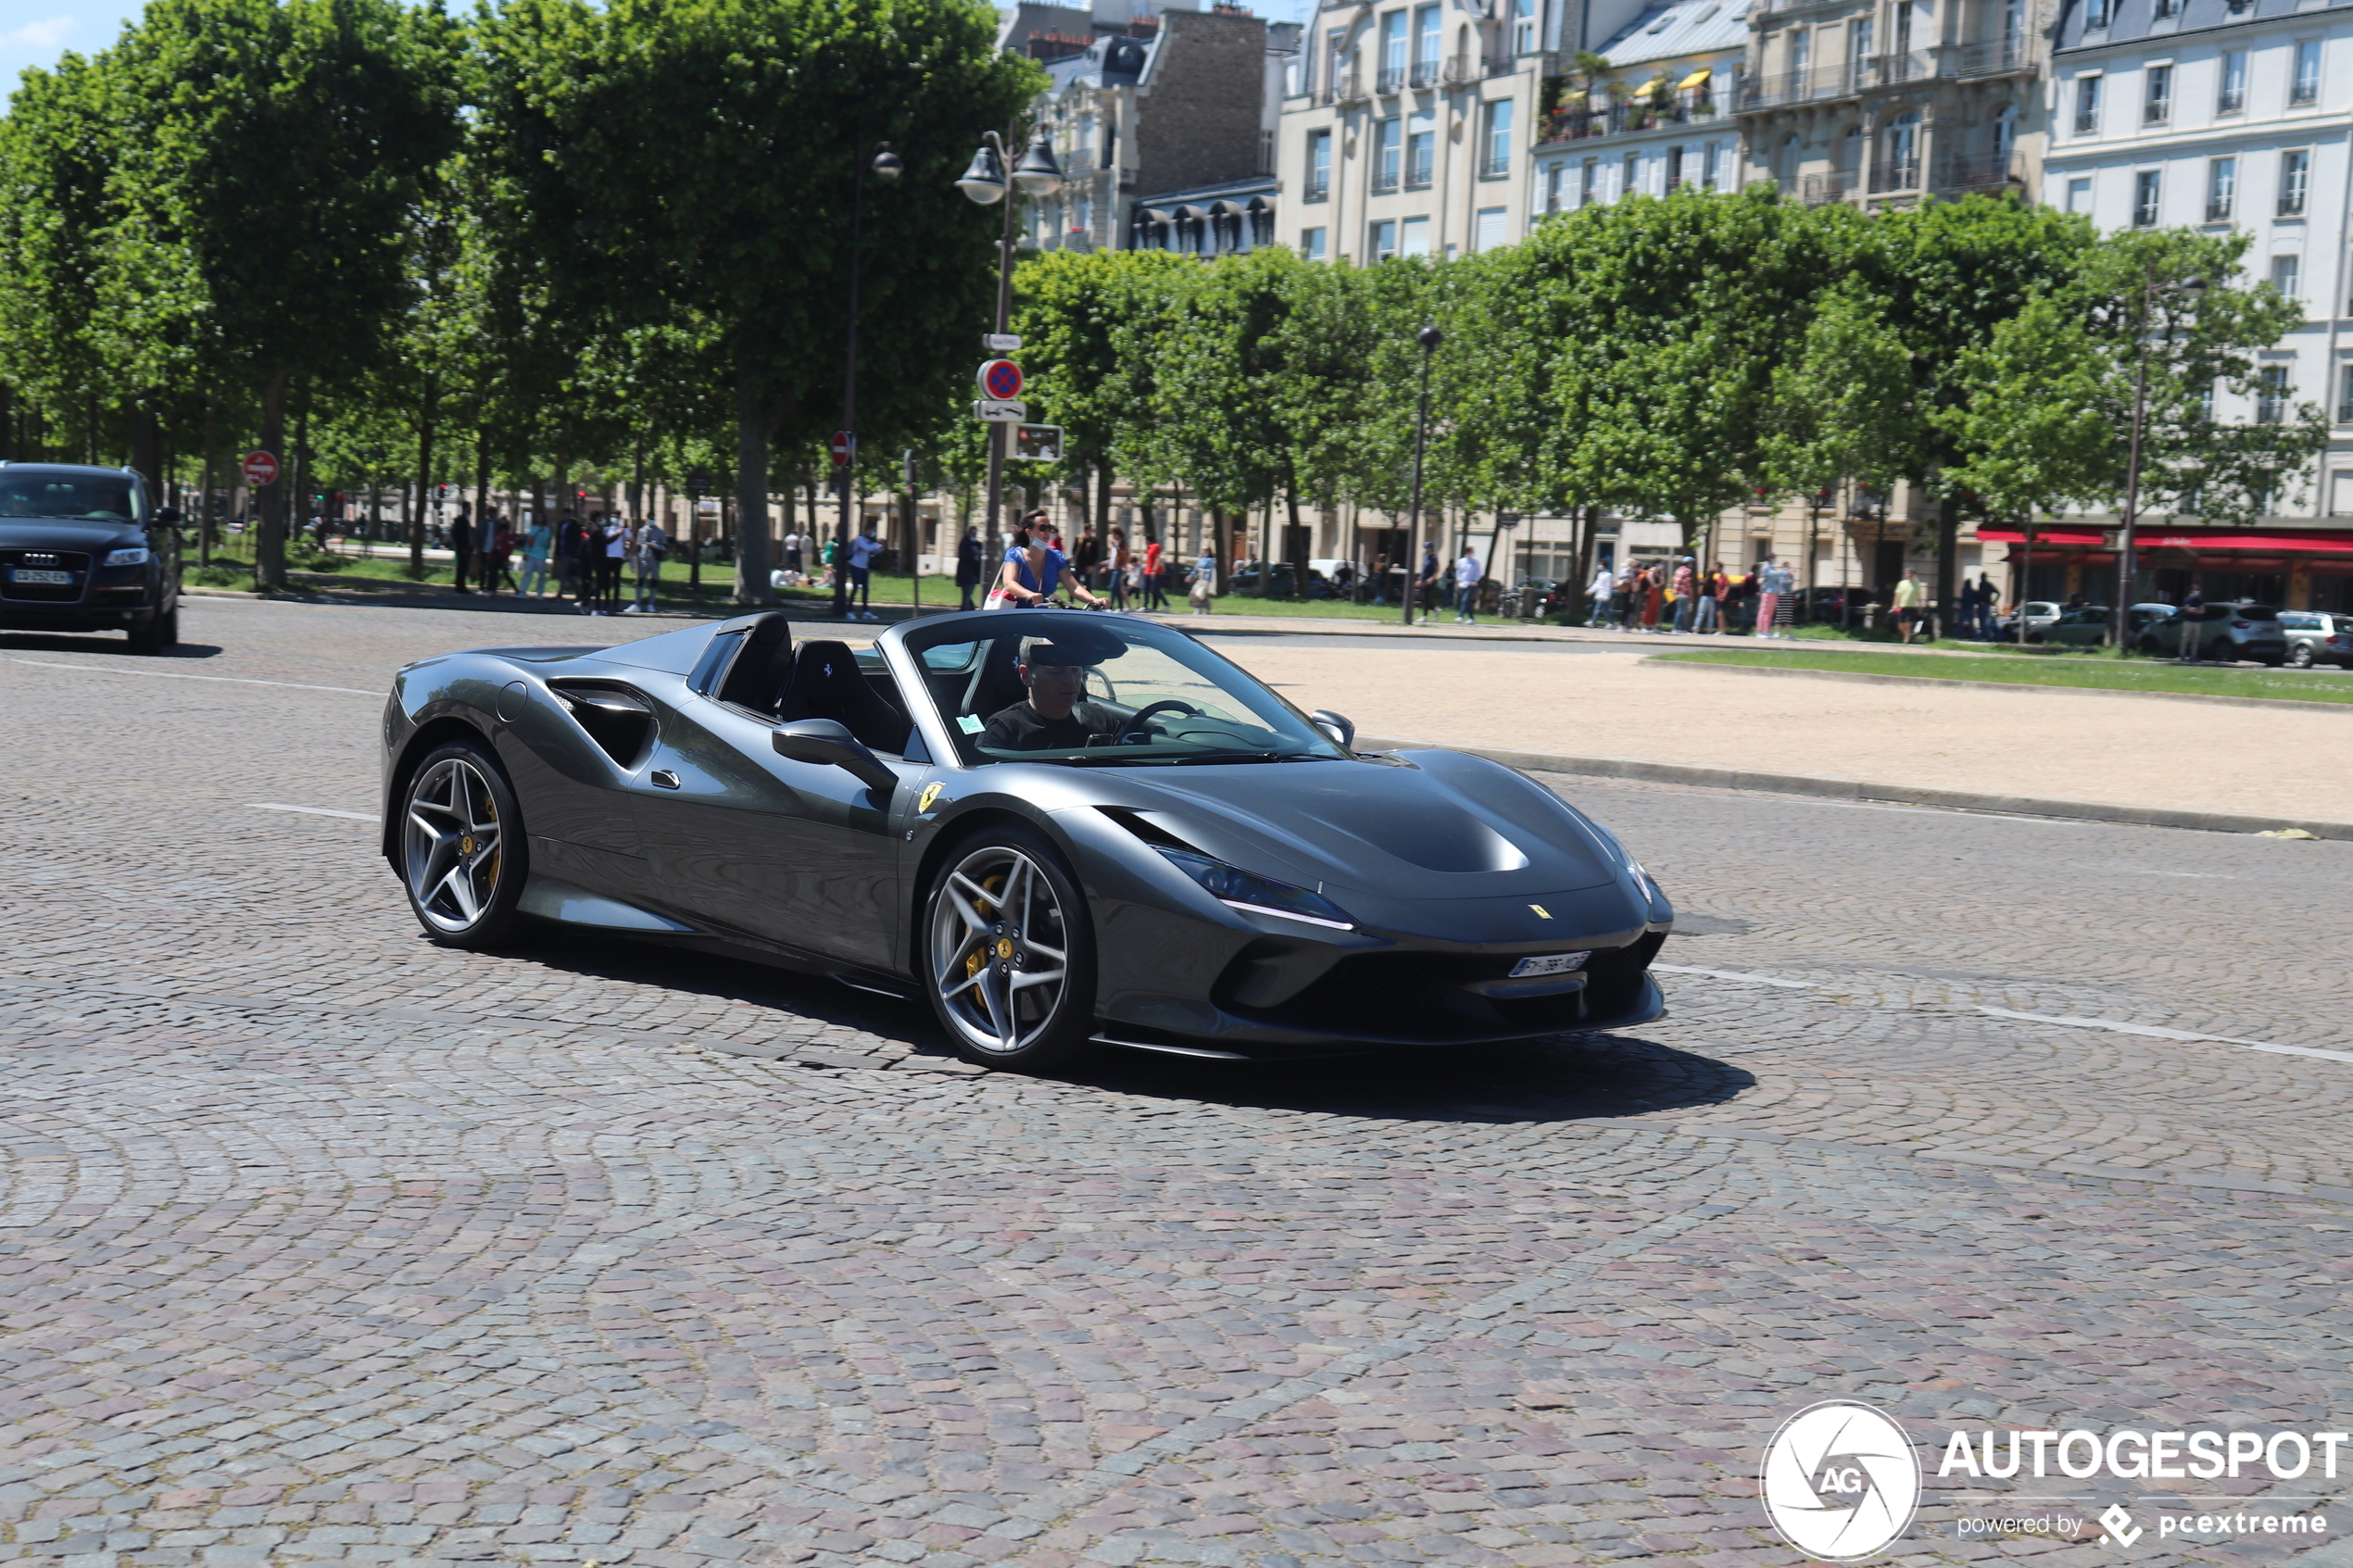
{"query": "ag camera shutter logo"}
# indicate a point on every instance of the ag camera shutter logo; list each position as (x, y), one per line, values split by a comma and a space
(1841, 1481)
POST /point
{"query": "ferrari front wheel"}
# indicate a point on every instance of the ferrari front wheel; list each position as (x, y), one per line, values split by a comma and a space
(1009, 954)
(461, 846)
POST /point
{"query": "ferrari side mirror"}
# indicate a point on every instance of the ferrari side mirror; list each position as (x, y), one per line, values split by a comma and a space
(829, 743)
(1338, 729)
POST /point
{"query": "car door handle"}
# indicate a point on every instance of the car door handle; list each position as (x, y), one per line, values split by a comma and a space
(665, 779)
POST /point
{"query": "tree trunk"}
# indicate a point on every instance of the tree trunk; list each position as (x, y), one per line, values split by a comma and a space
(482, 475)
(298, 474)
(204, 499)
(425, 412)
(145, 447)
(1948, 561)
(270, 543)
(756, 420)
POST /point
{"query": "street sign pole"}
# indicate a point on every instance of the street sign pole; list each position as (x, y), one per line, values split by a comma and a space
(997, 434)
(911, 533)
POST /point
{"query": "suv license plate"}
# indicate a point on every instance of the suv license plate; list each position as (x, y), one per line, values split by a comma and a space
(1550, 963)
(27, 575)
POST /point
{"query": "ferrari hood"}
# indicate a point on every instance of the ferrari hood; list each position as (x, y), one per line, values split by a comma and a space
(1435, 825)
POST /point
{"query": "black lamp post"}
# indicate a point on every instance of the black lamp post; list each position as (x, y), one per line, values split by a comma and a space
(2192, 289)
(885, 166)
(985, 182)
(1429, 337)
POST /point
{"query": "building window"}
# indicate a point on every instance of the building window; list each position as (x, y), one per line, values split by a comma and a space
(1674, 167)
(2232, 97)
(2087, 105)
(2096, 15)
(2147, 187)
(1552, 187)
(2079, 195)
(2157, 104)
(1414, 237)
(1495, 142)
(1384, 153)
(1589, 179)
(1522, 27)
(1801, 52)
(1311, 243)
(1629, 176)
(2221, 189)
(2286, 275)
(1712, 169)
(1383, 240)
(2304, 86)
(2270, 395)
(2005, 138)
(2295, 175)
(1489, 234)
(1427, 25)
(2168, 10)
(1392, 52)
(2344, 399)
(1859, 75)
(1319, 167)
(1421, 149)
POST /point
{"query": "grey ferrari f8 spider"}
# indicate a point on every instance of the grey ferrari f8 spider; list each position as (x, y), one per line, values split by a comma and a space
(1061, 828)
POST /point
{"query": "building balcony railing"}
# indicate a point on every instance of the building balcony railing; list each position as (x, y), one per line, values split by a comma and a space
(1417, 173)
(1426, 74)
(1619, 119)
(1820, 190)
(1384, 181)
(2270, 410)
(1318, 188)
(1392, 78)
(1496, 164)
(1895, 174)
(2217, 209)
(1471, 67)
(1980, 171)
(1876, 72)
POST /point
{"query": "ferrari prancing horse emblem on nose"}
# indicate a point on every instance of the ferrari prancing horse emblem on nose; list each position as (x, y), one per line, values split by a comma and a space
(930, 794)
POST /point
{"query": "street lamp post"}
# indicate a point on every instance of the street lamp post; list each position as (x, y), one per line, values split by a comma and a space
(2150, 283)
(986, 181)
(885, 165)
(1429, 337)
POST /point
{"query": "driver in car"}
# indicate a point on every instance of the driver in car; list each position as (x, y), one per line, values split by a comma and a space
(1055, 716)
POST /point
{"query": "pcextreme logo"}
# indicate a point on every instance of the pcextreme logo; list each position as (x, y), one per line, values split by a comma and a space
(1841, 1481)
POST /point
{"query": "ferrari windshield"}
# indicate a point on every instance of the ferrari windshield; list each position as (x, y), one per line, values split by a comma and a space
(80, 498)
(1088, 689)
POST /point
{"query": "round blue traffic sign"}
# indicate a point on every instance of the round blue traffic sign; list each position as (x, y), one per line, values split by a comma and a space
(1001, 379)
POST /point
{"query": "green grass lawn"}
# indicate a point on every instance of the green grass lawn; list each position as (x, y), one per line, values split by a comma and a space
(2089, 674)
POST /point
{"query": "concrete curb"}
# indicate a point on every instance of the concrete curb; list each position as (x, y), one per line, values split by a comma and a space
(2299, 704)
(1825, 788)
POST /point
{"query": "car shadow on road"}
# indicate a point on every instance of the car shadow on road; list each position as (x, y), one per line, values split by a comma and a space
(1562, 1078)
(97, 642)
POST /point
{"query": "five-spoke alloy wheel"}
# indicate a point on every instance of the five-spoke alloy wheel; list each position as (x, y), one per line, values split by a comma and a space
(461, 846)
(1009, 954)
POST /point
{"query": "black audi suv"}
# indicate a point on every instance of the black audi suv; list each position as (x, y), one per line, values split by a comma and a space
(81, 551)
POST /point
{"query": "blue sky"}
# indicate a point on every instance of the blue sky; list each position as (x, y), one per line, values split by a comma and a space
(35, 33)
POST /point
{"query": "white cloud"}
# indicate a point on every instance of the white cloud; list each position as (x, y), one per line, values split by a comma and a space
(50, 32)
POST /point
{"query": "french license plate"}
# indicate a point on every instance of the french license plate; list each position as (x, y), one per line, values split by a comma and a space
(30, 575)
(1549, 964)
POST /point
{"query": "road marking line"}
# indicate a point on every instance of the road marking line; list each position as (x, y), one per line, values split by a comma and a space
(168, 675)
(2158, 1033)
(313, 810)
(1734, 975)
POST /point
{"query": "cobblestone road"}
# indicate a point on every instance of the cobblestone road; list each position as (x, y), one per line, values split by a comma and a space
(323, 1244)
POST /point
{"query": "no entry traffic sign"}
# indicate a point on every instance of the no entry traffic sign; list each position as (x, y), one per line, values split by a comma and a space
(1001, 379)
(260, 469)
(841, 447)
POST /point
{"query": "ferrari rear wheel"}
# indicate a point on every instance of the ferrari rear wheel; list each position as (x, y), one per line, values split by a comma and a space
(1009, 953)
(461, 846)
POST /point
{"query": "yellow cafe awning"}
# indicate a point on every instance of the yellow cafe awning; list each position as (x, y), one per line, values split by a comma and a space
(1697, 79)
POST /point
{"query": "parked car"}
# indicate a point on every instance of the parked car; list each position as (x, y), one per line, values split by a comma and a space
(2037, 614)
(2316, 637)
(1245, 579)
(2227, 633)
(1829, 606)
(2083, 626)
(81, 550)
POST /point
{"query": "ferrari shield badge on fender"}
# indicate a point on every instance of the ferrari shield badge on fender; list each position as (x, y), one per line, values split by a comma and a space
(930, 794)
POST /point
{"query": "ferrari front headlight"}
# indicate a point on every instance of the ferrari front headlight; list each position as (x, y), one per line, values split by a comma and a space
(1239, 890)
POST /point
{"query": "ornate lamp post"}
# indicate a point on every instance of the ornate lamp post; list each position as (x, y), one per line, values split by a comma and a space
(985, 182)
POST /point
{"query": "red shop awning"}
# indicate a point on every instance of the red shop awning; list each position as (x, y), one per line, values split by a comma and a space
(2238, 541)
(2016, 557)
(2047, 538)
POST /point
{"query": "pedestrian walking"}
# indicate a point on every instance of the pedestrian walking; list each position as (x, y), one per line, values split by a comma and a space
(572, 552)
(862, 551)
(536, 547)
(1986, 601)
(2192, 616)
(1654, 597)
(968, 558)
(646, 550)
(1155, 589)
(1202, 582)
(1910, 596)
(499, 555)
(1603, 592)
(462, 548)
(1424, 584)
(1686, 594)
(1467, 572)
(1115, 557)
(1087, 556)
(1770, 577)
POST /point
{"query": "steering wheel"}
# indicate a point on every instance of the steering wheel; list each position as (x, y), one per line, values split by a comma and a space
(1135, 726)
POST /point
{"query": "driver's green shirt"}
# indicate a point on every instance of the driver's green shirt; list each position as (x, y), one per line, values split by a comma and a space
(1022, 728)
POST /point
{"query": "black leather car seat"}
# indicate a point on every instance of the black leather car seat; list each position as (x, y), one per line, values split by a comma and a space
(756, 678)
(827, 684)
